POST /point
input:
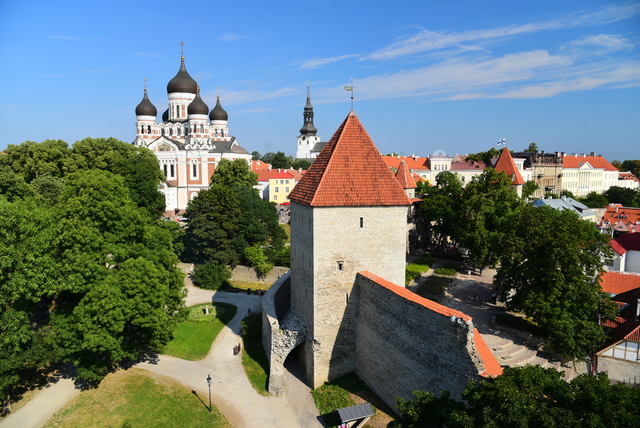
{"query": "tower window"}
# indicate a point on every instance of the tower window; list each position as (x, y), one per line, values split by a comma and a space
(340, 265)
(361, 222)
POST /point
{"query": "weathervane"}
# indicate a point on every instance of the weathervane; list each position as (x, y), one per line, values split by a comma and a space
(350, 89)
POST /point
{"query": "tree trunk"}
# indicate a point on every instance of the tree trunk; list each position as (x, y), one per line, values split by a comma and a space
(6, 403)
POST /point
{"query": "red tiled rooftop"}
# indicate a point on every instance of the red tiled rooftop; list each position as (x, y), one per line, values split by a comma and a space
(506, 164)
(616, 212)
(404, 176)
(349, 171)
(619, 249)
(570, 161)
(413, 162)
(618, 282)
(629, 241)
(467, 165)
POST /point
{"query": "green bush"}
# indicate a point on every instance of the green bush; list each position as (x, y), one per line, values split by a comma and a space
(211, 276)
(258, 259)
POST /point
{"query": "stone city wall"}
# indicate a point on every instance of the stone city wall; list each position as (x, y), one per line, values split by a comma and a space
(403, 345)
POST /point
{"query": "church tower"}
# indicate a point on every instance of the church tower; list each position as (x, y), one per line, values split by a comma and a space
(307, 139)
(348, 214)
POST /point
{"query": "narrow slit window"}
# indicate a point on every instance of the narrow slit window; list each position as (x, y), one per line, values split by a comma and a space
(340, 265)
(361, 222)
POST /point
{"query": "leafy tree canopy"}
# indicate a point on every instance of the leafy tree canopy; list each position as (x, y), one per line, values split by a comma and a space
(529, 188)
(549, 267)
(632, 166)
(485, 157)
(533, 148)
(625, 196)
(234, 173)
(594, 200)
(302, 164)
(86, 274)
(528, 396)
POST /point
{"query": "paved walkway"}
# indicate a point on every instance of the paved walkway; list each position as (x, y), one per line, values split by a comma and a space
(231, 392)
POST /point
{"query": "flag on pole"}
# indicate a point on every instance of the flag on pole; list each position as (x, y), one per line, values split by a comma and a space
(348, 88)
(502, 142)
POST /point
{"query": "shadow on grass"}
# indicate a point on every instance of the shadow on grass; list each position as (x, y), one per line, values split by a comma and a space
(258, 370)
(433, 287)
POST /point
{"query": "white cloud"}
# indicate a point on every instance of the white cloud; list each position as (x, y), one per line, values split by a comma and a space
(232, 37)
(319, 62)
(426, 40)
(599, 44)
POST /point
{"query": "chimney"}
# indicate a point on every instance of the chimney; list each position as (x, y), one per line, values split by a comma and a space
(593, 154)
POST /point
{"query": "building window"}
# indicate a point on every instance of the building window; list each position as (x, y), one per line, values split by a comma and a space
(340, 265)
(277, 190)
(361, 222)
(275, 197)
(286, 189)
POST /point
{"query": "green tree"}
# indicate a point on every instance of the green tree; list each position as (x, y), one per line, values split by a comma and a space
(594, 200)
(255, 155)
(625, 196)
(281, 161)
(488, 203)
(234, 173)
(632, 166)
(528, 396)
(567, 193)
(31, 159)
(533, 148)
(549, 266)
(529, 188)
(138, 165)
(440, 210)
(302, 164)
(485, 157)
(211, 276)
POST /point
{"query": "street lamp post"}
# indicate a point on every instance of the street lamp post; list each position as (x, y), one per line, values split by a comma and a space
(209, 383)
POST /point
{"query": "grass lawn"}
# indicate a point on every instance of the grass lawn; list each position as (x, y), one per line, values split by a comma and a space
(193, 337)
(256, 365)
(345, 391)
(246, 285)
(416, 268)
(138, 398)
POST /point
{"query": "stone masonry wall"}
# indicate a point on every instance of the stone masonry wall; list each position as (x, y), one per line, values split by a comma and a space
(402, 346)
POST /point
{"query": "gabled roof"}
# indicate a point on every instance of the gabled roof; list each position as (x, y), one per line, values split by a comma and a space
(570, 161)
(565, 204)
(627, 176)
(506, 164)
(281, 174)
(619, 282)
(349, 172)
(467, 165)
(616, 212)
(619, 249)
(629, 241)
(403, 175)
(268, 174)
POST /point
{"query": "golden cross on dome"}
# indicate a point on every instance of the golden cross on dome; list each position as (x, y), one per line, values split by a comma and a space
(182, 44)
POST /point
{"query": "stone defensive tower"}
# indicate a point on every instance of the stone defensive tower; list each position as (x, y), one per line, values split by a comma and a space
(348, 214)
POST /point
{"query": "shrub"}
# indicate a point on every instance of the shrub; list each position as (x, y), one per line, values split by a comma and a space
(257, 258)
(211, 276)
(445, 271)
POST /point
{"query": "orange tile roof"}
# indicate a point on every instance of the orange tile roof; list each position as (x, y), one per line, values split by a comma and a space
(619, 249)
(616, 212)
(257, 165)
(629, 331)
(491, 366)
(627, 176)
(506, 164)
(413, 162)
(570, 161)
(404, 176)
(349, 171)
(619, 282)
(267, 174)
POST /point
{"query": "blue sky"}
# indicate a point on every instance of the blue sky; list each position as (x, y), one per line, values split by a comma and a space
(456, 75)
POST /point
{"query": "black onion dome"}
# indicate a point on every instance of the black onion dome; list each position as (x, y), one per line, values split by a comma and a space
(307, 126)
(165, 116)
(182, 82)
(218, 113)
(198, 106)
(145, 108)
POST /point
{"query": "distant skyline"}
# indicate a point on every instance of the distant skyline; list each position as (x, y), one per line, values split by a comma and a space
(458, 76)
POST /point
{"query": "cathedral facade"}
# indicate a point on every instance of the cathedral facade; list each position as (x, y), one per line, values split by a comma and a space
(189, 141)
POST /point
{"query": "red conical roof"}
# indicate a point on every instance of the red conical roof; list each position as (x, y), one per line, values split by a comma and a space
(349, 172)
(507, 165)
(403, 175)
